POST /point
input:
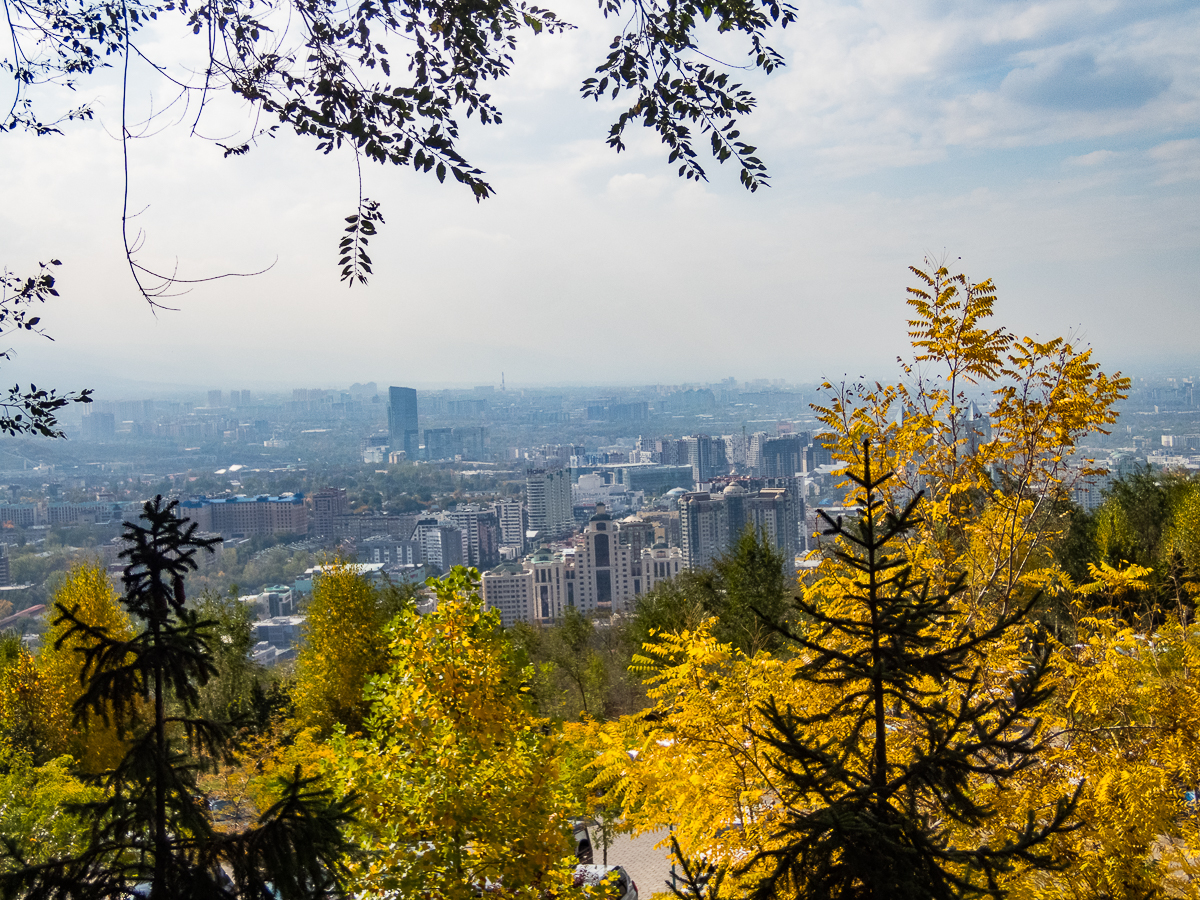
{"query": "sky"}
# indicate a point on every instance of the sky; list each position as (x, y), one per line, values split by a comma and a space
(1052, 145)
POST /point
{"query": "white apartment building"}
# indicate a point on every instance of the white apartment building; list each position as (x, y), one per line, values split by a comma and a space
(509, 589)
(659, 563)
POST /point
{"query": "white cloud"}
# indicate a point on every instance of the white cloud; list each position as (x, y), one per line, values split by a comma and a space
(1177, 161)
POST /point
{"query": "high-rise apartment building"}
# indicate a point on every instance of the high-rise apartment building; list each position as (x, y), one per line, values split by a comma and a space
(710, 524)
(472, 442)
(603, 565)
(781, 457)
(441, 543)
(706, 457)
(214, 399)
(403, 430)
(548, 492)
(514, 522)
(480, 534)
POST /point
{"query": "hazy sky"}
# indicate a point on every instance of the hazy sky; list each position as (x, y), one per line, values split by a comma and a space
(1053, 145)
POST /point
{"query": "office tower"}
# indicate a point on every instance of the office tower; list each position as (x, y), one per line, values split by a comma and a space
(548, 492)
(403, 430)
(472, 442)
(214, 398)
(439, 443)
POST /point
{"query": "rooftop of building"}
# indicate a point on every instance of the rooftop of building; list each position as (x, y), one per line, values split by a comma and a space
(260, 498)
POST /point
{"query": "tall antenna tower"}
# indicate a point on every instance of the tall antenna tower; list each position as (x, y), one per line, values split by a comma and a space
(501, 382)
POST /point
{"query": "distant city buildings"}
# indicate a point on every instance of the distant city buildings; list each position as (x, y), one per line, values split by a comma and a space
(514, 523)
(441, 543)
(327, 506)
(480, 529)
(604, 569)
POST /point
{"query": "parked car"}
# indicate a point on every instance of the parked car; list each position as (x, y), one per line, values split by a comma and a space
(607, 882)
(583, 841)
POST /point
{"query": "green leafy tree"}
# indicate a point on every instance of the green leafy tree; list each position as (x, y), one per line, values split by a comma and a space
(152, 825)
(677, 604)
(745, 589)
(39, 809)
(880, 784)
(240, 691)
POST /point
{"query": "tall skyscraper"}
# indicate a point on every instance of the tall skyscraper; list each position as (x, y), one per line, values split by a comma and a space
(514, 522)
(402, 421)
(439, 443)
(603, 570)
(481, 534)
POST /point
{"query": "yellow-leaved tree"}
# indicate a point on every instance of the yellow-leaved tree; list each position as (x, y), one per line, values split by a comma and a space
(458, 780)
(987, 425)
(87, 591)
(343, 646)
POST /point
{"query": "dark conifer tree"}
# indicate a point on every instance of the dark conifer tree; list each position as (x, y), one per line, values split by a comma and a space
(752, 596)
(153, 831)
(864, 819)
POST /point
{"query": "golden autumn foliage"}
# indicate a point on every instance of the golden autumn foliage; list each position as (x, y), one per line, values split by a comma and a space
(344, 646)
(1123, 725)
(994, 487)
(86, 590)
(458, 780)
(24, 705)
(696, 759)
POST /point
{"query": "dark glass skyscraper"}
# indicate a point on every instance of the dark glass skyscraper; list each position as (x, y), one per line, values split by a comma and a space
(403, 431)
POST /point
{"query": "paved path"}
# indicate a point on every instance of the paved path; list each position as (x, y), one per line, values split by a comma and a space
(647, 865)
